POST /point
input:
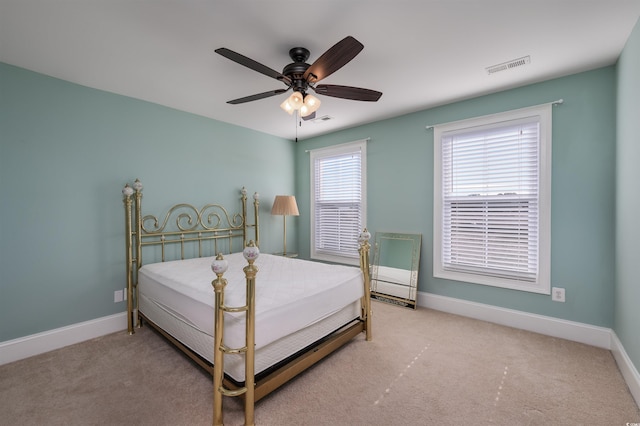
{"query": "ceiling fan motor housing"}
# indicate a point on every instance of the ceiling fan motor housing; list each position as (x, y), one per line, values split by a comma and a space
(299, 54)
(295, 71)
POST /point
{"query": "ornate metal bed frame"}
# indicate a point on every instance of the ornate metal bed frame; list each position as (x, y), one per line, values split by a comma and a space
(212, 230)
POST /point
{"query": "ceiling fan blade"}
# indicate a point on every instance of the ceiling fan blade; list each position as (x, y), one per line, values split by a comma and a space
(347, 92)
(250, 63)
(257, 96)
(333, 59)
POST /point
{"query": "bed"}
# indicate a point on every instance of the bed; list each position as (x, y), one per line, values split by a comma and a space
(253, 320)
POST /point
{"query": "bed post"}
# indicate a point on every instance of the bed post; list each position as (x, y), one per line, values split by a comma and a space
(132, 209)
(135, 300)
(127, 192)
(245, 225)
(251, 253)
(245, 218)
(132, 299)
(256, 217)
(219, 266)
(364, 266)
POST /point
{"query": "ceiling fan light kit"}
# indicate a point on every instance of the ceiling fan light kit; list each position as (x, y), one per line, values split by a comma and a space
(307, 104)
(301, 77)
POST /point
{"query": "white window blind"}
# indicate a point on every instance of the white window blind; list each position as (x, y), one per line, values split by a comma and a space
(490, 204)
(490, 179)
(338, 200)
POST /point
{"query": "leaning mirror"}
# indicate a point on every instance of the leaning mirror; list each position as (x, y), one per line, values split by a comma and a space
(394, 274)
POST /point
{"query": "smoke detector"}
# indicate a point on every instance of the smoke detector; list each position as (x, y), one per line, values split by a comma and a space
(525, 60)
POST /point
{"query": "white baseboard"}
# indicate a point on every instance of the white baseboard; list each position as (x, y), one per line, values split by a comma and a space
(628, 370)
(570, 330)
(35, 344)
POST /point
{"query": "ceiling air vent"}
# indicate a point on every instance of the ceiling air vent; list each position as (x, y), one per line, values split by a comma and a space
(509, 65)
(321, 119)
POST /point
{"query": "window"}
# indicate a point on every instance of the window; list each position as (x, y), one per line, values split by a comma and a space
(492, 200)
(338, 201)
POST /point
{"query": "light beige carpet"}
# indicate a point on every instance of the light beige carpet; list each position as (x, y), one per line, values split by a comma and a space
(423, 368)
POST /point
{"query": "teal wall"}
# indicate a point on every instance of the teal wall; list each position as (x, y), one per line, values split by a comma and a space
(400, 191)
(627, 300)
(65, 153)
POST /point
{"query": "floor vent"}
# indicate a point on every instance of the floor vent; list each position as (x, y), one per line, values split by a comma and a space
(509, 65)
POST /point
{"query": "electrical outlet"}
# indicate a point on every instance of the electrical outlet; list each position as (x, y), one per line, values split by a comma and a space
(118, 296)
(557, 294)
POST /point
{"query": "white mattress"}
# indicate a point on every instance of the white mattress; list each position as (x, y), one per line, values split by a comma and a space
(291, 295)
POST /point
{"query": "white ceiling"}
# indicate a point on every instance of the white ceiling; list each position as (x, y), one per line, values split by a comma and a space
(420, 53)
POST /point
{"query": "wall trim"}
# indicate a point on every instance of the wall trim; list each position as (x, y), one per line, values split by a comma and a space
(628, 370)
(35, 344)
(555, 327)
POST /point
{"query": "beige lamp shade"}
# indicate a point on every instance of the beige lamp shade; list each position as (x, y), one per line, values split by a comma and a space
(285, 205)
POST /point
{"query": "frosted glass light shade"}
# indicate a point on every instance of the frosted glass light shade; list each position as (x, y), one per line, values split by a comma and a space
(296, 100)
(312, 103)
(286, 106)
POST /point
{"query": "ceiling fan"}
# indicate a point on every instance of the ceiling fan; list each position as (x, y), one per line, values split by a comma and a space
(300, 76)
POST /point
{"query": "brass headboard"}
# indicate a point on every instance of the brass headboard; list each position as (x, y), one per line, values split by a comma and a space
(184, 232)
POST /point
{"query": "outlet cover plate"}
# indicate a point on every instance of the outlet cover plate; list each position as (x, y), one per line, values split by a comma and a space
(557, 294)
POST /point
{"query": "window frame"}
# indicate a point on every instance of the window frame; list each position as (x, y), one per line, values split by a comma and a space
(332, 151)
(542, 282)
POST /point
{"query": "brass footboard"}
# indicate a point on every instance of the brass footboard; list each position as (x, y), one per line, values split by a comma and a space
(248, 391)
